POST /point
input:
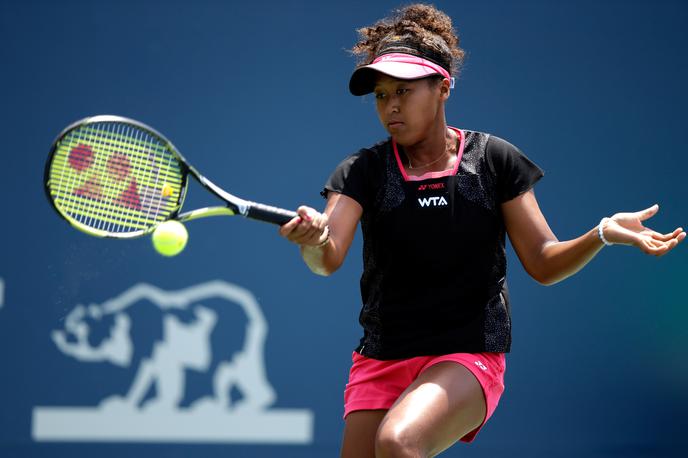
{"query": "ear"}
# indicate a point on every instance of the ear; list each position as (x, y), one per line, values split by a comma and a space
(445, 89)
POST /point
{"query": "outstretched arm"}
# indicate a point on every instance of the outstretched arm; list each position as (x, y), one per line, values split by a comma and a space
(549, 261)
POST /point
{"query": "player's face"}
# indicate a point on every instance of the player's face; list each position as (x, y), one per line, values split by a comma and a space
(408, 109)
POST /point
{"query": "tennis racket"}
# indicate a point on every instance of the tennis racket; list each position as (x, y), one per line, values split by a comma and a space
(110, 176)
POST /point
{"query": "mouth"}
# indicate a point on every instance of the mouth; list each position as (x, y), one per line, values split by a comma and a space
(394, 124)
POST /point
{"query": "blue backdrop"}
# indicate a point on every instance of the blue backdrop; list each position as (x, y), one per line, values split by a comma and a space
(255, 95)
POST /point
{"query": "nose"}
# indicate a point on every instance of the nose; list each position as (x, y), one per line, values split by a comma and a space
(393, 104)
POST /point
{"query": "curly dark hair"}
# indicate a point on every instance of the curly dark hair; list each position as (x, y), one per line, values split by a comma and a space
(423, 27)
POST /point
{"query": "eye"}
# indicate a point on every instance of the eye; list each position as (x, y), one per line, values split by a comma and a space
(379, 95)
(402, 91)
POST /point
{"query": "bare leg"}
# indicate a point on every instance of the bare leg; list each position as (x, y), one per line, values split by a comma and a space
(442, 405)
(359, 433)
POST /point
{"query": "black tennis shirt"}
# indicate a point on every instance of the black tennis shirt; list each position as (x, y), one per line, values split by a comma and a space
(434, 259)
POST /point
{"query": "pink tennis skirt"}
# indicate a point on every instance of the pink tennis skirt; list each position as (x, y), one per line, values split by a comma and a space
(375, 384)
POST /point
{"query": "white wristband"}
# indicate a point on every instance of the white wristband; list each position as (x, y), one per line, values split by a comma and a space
(600, 232)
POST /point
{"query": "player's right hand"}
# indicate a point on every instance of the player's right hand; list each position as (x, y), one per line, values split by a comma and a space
(307, 228)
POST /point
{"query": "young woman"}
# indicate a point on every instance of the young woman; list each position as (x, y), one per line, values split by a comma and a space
(435, 203)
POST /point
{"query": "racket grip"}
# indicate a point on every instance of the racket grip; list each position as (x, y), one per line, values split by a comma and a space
(269, 214)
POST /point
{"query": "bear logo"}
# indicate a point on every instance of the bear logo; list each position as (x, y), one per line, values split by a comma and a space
(164, 336)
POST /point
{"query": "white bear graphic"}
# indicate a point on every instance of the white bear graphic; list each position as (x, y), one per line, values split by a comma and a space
(178, 337)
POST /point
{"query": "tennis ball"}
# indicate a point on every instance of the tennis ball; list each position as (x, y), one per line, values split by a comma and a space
(169, 238)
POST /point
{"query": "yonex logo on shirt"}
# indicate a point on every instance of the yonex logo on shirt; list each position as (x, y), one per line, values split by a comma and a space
(423, 187)
(436, 201)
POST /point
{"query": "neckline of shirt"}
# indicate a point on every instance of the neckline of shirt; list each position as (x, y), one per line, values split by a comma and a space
(431, 175)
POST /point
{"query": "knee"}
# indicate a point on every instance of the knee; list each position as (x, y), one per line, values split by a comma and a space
(397, 442)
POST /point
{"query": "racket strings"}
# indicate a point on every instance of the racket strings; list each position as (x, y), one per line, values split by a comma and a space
(115, 177)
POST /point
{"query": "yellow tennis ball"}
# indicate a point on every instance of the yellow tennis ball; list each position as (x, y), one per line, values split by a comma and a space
(169, 238)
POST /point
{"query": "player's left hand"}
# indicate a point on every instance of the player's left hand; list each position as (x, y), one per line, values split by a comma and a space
(628, 229)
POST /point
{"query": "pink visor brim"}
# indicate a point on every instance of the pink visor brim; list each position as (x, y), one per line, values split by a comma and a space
(396, 65)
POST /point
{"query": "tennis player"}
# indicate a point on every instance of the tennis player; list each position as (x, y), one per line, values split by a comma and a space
(435, 203)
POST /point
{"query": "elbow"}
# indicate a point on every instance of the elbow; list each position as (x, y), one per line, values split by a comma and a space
(541, 271)
(545, 281)
(539, 277)
(331, 264)
(546, 278)
(328, 268)
(323, 267)
(321, 270)
(543, 276)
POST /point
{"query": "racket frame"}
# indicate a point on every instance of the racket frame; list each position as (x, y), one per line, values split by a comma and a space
(233, 205)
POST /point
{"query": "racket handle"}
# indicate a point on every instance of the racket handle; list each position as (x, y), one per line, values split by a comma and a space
(269, 214)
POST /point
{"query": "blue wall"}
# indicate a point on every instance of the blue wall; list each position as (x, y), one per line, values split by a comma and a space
(255, 95)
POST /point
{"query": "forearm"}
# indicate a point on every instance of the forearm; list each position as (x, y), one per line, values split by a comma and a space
(550, 261)
(325, 254)
(560, 260)
(322, 260)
